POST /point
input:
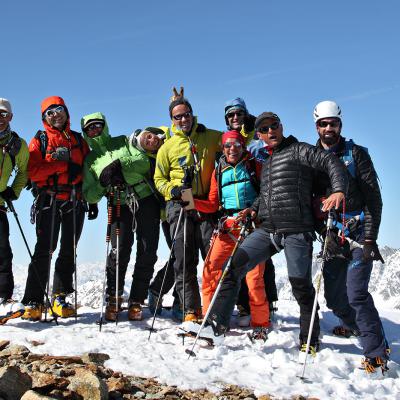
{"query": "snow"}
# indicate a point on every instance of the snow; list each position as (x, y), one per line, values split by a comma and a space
(271, 367)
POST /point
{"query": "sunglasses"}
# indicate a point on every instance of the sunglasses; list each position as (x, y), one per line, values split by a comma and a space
(53, 111)
(265, 129)
(233, 113)
(332, 124)
(4, 114)
(178, 117)
(228, 145)
(96, 125)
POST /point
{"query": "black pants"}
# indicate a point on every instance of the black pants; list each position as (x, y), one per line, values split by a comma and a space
(6, 275)
(269, 283)
(198, 235)
(147, 235)
(38, 273)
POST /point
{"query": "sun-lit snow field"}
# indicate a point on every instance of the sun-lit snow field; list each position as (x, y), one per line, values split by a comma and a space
(271, 367)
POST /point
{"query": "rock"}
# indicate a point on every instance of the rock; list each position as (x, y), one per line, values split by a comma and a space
(4, 344)
(13, 383)
(48, 381)
(140, 395)
(36, 342)
(31, 395)
(264, 397)
(62, 359)
(121, 385)
(13, 350)
(97, 358)
(88, 385)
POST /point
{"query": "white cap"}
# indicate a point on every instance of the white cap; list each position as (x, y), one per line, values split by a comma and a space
(5, 105)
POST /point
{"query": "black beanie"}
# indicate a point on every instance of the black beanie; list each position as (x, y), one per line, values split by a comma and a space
(177, 102)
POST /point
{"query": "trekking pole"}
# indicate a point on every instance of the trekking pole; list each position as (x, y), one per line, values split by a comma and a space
(329, 224)
(184, 267)
(10, 205)
(225, 272)
(165, 272)
(52, 225)
(73, 198)
(117, 234)
(110, 202)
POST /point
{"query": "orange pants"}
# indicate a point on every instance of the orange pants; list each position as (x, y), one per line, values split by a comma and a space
(220, 251)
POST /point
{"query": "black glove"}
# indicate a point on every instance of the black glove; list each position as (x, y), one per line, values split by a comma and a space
(8, 194)
(112, 175)
(60, 154)
(73, 171)
(371, 252)
(249, 122)
(176, 193)
(188, 177)
(334, 247)
(93, 211)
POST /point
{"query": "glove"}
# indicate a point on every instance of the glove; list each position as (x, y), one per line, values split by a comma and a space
(334, 247)
(73, 171)
(371, 252)
(176, 193)
(93, 211)
(60, 154)
(8, 194)
(112, 175)
(249, 122)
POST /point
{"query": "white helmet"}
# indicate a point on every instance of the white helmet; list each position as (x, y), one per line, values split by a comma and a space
(327, 109)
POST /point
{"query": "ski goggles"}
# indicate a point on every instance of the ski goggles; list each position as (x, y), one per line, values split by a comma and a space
(238, 113)
(178, 117)
(324, 124)
(53, 111)
(228, 145)
(97, 125)
(273, 126)
(4, 114)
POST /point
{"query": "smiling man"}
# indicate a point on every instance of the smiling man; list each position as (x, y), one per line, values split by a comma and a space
(285, 213)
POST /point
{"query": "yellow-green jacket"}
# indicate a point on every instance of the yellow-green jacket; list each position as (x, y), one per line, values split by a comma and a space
(176, 152)
(6, 166)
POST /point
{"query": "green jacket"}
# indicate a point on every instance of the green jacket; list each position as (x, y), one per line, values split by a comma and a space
(176, 152)
(106, 149)
(6, 167)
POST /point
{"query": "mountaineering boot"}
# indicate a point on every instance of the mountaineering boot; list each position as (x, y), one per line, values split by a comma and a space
(243, 317)
(10, 309)
(135, 312)
(259, 333)
(193, 316)
(61, 307)
(176, 310)
(152, 300)
(218, 329)
(33, 311)
(111, 311)
(371, 364)
(345, 332)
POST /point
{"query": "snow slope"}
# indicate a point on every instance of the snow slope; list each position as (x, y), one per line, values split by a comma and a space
(268, 368)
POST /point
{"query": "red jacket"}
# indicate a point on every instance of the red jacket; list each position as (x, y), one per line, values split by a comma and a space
(42, 170)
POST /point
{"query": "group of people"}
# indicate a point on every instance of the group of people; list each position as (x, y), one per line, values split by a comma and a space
(203, 186)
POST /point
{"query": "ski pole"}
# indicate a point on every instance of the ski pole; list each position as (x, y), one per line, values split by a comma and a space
(117, 233)
(110, 202)
(10, 205)
(73, 198)
(329, 224)
(166, 270)
(221, 280)
(184, 269)
(52, 226)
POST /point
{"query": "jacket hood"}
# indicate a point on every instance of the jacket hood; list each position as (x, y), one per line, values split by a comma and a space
(50, 101)
(99, 142)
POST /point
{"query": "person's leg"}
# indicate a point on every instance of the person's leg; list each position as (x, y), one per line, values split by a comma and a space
(125, 248)
(298, 253)
(254, 249)
(6, 275)
(335, 277)
(147, 235)
(372, 336)
(64, 265)
(38, 267)
(269, 282)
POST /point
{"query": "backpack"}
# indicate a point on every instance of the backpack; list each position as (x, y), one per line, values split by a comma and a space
(43, 139)
(347, 157)
(12, 147)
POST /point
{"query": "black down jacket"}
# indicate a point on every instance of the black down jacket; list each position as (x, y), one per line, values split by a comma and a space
(363, 193)
(285, 201)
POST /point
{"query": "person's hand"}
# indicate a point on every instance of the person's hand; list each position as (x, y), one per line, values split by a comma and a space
(60, 154)
(333, 201)
(242, 215)
(371, 252)
(112, 175)
(93, 211)
(249, 122)
(176, 193)
(8, 194)
(73, 171)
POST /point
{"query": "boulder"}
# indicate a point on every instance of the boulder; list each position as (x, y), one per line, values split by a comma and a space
(88, 385)
(13, 383)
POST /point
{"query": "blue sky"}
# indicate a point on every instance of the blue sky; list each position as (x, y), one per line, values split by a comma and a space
(122, 58)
